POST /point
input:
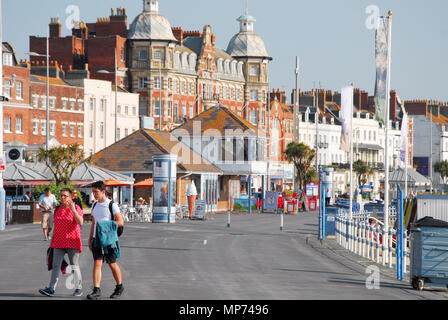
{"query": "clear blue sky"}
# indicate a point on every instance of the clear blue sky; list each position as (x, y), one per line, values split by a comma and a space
(330, 36)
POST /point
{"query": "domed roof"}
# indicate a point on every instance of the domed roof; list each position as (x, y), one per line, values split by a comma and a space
(247, 44)
(150, 24)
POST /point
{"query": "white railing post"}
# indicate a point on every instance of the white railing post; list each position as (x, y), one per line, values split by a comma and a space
(337, 230)
(377, 244)
(368, 240)
(390, 246)
(364, 239)
(405, 250)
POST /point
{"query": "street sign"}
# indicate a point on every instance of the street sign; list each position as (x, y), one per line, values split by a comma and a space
(3, 98)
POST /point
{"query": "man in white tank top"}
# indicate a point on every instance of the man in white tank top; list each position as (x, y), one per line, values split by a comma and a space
(101, 212)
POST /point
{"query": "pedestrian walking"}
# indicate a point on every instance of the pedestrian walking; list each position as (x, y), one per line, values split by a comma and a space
(102, 211)
(68, 219)
(259, 199)
(47, 202)
(76, 199)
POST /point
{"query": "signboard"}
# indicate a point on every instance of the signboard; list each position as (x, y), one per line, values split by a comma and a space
(199, 209)
(271, 200)
(312, 190)
(24, 208)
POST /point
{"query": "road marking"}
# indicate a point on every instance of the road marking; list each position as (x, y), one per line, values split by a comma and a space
(205, 242)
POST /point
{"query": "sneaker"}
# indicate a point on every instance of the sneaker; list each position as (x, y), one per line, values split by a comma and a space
(117, 292)
(47, 292)
(77, 293)
(95, 295)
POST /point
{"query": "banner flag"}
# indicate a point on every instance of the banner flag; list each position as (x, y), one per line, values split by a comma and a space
(404, 136)
(382, 59)
(346, 117)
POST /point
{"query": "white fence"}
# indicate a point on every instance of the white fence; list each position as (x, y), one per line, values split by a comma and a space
(365, 235)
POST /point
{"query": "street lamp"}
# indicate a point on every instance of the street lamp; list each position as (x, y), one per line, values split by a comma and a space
(47, 124)
(116, 94)
(2, 190)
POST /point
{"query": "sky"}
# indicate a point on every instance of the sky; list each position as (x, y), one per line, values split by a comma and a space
(334, 39)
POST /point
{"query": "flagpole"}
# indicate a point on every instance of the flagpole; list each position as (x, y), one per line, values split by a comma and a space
(406, 157)
(386, 180)
(351, 156)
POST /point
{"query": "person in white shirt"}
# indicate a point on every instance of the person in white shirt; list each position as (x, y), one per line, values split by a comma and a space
(101, 212)
(47, 202)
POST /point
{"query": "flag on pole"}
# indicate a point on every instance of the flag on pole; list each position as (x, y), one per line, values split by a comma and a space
(382, 60)
(346, 117)
(404, 136)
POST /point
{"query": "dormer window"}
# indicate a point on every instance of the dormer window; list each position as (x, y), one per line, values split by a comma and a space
(177, 59)
(158, 55)
(143, 55)
(7, 59)
(254, 70)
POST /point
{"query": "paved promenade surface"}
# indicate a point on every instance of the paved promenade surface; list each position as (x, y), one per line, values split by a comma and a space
(204, 260)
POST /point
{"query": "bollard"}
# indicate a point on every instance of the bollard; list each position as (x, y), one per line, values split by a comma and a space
(228, 218)
(281, 221)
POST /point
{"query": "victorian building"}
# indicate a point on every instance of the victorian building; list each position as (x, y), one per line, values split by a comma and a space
(179, 74)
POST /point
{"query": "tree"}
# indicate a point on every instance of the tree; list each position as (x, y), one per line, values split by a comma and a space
(362, 170)
(62, 161)
(441, 167)
(302, 157)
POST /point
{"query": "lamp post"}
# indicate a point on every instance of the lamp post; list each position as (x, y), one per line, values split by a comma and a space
(2, 190)
(116, 93)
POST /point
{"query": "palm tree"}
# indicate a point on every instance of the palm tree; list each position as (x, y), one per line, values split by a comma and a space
(442, 168)
(62, 161)
(302, 157)
(362, 170)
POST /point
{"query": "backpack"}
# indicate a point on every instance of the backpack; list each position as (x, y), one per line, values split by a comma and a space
(119, 229)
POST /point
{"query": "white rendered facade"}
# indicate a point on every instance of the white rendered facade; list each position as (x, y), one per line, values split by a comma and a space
(99, 118)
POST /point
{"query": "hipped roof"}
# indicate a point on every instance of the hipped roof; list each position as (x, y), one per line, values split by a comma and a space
(134, 154)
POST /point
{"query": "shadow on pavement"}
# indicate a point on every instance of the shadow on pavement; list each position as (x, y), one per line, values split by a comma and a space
(362, 283)
(315, 271)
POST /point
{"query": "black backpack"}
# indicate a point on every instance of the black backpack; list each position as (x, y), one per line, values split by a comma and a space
(120, 229)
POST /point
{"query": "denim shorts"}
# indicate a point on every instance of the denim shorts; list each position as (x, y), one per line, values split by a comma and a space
(109, 257)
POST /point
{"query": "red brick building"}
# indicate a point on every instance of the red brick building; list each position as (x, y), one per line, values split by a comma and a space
(16, 84)
(91, 44)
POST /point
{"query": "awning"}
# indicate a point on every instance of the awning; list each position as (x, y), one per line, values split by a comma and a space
(145, 183)
(365, 146)
(414, 178)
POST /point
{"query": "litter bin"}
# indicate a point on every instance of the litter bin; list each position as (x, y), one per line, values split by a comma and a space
(429, 252)
(330, 225)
